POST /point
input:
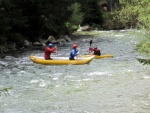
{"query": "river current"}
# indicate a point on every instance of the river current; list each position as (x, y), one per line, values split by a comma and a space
(111, 85)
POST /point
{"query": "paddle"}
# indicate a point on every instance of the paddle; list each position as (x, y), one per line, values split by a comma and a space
(90, 44)
(78, 53)
(55, 46)
(56, 50)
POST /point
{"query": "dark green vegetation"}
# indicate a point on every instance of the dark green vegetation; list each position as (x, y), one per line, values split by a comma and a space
(33, 19)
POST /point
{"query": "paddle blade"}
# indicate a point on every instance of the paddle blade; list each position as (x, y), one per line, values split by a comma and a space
(90, 43)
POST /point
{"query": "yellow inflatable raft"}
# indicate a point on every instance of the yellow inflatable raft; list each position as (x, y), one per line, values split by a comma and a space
(62, 60)
(101, 56)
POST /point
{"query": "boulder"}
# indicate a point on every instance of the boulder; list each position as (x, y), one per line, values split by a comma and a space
(37, 44)
(67, 38)
(26, 43)
(51, 39)
(83, 28)
(60, 40)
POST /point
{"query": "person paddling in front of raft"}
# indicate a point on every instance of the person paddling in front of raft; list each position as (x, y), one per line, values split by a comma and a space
(48, 50)
(96, 51)
(74, 52)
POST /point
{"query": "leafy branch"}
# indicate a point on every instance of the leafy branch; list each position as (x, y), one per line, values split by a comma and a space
(144, 61)
(5, 91)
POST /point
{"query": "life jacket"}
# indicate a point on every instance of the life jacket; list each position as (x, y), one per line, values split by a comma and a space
(73, 53)
(96, 51)
(48, 52)
(90, 49)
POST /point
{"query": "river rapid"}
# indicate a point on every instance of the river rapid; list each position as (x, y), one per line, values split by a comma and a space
(111, 85)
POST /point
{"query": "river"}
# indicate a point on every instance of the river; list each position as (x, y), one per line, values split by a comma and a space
(111, 85)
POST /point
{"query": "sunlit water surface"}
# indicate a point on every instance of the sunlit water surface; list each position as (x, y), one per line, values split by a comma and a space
(112, 85)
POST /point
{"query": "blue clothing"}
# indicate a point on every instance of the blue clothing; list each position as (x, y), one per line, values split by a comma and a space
(73, 53)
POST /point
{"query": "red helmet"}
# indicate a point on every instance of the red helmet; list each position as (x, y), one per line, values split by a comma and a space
(74, 46)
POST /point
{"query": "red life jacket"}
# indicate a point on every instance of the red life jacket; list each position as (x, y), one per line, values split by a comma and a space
(48, 52)
(96, 51)
(90, 49)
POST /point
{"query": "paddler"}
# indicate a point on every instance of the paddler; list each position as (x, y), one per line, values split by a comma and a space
(48, 50)
(74, 52)
(96, 51)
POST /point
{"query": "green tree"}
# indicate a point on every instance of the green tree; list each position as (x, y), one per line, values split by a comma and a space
(136, 14)
(112, 4)
(76, 17)
(31, 12)
(32, 18)
(127, 16)
(144, 23)
(92, 12)
(12, 22)
(55, 14)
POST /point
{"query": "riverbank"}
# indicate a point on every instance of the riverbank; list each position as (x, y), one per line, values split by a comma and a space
(18, 52)
(15, 50)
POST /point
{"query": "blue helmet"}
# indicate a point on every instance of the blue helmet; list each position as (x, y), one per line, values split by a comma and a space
(50, 45)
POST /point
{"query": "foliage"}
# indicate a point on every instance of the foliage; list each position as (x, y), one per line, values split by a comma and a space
(5, 91)
(144, 14)
(144, 61)
(33, 18)
(135, 14)
(144, 46)
(76, 17)
(92, 12)
(55, 14)
(144, 22)
(127, 16)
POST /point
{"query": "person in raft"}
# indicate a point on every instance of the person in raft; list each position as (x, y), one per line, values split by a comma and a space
(96, 51)
(48, 50)
(74, 52)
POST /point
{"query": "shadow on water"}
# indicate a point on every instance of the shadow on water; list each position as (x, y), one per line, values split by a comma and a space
(112, 85)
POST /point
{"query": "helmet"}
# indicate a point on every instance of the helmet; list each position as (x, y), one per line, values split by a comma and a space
(50, 45)
(74, 46)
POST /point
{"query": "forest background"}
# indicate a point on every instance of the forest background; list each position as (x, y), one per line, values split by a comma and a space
(33, 19)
